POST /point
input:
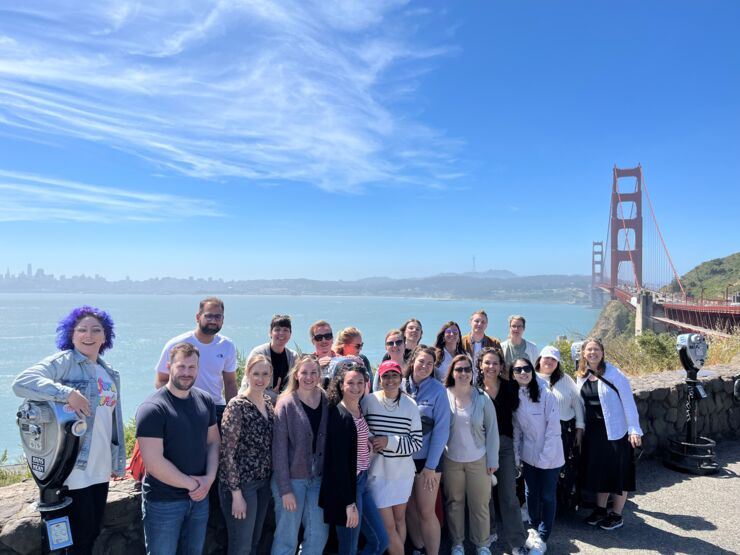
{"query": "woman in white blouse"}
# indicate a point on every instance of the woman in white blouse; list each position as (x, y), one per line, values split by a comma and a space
(565, 391)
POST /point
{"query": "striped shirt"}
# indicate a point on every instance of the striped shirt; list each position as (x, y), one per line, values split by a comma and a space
(401, 424)
(363, 449)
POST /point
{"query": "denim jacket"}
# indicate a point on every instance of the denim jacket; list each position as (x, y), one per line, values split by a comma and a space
(55, 377)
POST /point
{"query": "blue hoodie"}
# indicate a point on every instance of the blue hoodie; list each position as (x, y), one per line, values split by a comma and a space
(434, 409)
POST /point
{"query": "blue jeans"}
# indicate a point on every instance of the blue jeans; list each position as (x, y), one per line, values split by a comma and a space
(175, 527)
(371, 525)
(308, 513)
(244, 533)
(541, 487)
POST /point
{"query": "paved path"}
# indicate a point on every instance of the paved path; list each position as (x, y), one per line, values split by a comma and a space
(670, 513)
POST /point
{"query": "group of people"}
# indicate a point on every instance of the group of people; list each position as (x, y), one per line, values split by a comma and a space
(332, 450)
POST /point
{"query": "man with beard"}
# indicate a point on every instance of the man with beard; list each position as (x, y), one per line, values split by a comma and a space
(217, 375)
(179, 442)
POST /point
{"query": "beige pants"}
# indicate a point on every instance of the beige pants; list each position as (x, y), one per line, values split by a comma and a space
(471, 481)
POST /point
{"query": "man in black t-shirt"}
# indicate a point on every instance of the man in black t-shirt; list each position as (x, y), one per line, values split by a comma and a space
(179, 442)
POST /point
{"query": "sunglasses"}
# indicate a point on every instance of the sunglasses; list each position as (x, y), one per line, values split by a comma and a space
(396, 343)
(463, 369)
(323, 337)
(358, 346)
(522, 369)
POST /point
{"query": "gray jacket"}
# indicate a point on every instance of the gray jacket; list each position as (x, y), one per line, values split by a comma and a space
(55, 377)
(483, 422)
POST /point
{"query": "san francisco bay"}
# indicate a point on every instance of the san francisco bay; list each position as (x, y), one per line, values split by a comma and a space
(145, 322)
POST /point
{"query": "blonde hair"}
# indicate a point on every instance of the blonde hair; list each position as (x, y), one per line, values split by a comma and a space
(344, 337)
(251, 363)
(292, 384)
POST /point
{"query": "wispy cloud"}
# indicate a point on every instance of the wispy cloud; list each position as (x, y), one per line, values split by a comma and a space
(29, 197)
(301, 91)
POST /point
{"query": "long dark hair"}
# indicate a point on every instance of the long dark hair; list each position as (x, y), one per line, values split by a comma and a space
(533, 388)
(334, 389)
(439, 343)
(419, 350)
(450, 378)
(556, 374)
(495, 350)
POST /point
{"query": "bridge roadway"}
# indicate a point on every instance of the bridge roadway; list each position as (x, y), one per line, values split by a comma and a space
(670, 513)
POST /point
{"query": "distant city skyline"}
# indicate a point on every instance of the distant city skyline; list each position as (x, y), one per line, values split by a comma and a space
(344, 140)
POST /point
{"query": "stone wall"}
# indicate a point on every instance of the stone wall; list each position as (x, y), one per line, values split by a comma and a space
(661, 403)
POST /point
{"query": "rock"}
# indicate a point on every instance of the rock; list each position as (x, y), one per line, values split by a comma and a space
(23, 535)
(659, 394)
(673, 396)
(671, 414)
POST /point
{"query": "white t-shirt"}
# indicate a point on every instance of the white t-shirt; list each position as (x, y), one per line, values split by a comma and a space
(216, 357)
(99, 461)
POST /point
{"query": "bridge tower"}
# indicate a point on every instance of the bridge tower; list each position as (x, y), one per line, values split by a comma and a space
(620, 220)
(597, 274)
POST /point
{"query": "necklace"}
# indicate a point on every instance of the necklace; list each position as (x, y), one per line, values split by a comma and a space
(392, 407)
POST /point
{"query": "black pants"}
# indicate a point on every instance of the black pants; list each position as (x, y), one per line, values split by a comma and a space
(85, 516)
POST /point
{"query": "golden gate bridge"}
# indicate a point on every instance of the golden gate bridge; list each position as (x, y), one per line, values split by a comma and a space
(633, 265)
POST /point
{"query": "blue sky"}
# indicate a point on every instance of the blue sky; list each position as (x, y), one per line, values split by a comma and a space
(256, 139)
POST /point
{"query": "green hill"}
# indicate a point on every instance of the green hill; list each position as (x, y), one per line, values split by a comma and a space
(714, 276)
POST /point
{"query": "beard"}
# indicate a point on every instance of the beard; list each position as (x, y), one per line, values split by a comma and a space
(181, 386)
(209, 329)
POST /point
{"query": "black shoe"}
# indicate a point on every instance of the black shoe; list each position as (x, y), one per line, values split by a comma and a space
(612, 522)
(596, 516)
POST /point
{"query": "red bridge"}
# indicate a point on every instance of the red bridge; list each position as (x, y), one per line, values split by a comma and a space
(641, 273)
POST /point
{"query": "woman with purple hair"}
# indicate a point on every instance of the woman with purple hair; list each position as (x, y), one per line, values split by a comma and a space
(79, 378)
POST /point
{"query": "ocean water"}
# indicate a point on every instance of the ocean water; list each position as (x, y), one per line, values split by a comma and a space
(145, 322)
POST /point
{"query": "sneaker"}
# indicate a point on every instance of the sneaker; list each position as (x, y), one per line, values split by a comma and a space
(612, 522)
(493, 538)
(519, 551)
(533, 538)
(539, 549)
(458, 549)
(483, 551)
(596, 516)
(421, 551)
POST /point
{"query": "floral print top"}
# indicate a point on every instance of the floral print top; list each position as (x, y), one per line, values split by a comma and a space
(246, 443)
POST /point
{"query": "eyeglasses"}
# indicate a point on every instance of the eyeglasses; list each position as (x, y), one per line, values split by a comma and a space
(211, 316)
(463, 369)
(516, 327)
(522, 369)
(323, 337)
(396, 343)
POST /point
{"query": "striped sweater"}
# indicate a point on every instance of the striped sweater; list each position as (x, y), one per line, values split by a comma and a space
(402, 427)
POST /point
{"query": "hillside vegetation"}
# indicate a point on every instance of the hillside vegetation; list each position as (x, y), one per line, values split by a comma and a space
(714, 276)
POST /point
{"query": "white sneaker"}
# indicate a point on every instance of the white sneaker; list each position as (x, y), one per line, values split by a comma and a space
(483, 551)
(533, 539)
(519, 551)
(539, 549)
(493, 538)
(458, 550)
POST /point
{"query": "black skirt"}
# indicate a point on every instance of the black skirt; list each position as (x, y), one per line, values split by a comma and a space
(607, 466)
